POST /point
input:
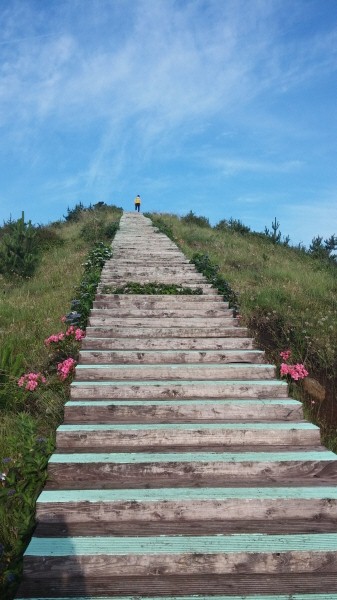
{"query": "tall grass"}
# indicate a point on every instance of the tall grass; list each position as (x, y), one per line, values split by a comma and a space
(287, 298)
(31, 310)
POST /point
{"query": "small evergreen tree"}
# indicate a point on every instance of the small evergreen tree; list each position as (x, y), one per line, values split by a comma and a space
(19, 253)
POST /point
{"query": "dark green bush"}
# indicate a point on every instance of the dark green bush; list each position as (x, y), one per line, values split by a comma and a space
(47, 237)
(74, 214)
(96, 230)
(232, 225)
(192, 219)
(19, 250)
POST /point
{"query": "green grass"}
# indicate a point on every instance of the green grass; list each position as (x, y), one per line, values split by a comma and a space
(31, 310)
(287, 298)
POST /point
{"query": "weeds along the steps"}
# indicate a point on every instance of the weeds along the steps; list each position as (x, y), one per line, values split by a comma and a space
(287, 298)
(31, 309)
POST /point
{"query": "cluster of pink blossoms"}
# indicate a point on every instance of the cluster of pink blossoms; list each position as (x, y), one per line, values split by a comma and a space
(64, 368)
(30, 381)
(72, 331)
(296, 372)
(285, 355)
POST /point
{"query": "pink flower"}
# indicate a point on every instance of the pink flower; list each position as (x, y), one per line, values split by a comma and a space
(296, 372)
(64, 368)
(284, 369)
(54, 339)
(64, 318)
(30, 381)
(286, 354)
(79, 334)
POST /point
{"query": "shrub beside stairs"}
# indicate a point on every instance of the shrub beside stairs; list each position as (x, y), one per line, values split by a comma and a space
(182, 469)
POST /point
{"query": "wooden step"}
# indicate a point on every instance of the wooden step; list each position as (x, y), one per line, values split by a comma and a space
(186, 510)
(158, 372)
(166, 332)
(178, 389)
(173, 411)
(150, 357)
(167, 322)
(163, 313)
(94, 342)
(182, 436)
(189, 469)
(158, 586)
(169, 300)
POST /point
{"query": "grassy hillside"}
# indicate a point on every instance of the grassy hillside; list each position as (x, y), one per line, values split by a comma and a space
(287, 298)
(31, 310)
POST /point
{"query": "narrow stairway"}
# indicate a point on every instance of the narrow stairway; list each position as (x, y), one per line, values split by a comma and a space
(182, 469)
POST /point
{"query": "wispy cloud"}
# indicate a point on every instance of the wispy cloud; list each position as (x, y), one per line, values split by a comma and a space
(106, 90)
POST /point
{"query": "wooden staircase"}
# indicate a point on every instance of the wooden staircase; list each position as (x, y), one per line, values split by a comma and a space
(183, 469)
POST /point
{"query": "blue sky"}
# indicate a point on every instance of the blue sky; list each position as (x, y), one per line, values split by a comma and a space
(223, 107)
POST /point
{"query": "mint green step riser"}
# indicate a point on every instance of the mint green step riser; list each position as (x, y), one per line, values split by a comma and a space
(315, 596)
(170, 389)
(168, 357)
(138, 343)
(176, 372)
(188, 511)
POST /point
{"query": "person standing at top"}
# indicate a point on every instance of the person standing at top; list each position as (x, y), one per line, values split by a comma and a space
(137, 202)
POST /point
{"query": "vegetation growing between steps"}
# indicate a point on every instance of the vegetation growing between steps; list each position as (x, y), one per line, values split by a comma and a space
(287, 298)
(152, 288)
(30, 311)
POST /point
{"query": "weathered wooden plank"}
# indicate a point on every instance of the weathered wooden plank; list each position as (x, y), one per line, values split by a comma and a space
(178, 389)
(158, 372)
(175, 343)
(195, 322)
(141, 470)
(179, 436)
(162, 313)
(90, 357)
(171, 411)
(166, 332)
(252, 586)
(160, 300)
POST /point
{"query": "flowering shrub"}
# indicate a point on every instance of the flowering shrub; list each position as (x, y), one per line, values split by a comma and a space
(30, 381)
(296, 372)
(72, 332)
(65, 368)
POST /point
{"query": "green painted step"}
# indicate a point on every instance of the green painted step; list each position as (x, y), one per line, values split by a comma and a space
(189, 427)
(198, 597)
(207, 544)
(190, 494)
(201, 457)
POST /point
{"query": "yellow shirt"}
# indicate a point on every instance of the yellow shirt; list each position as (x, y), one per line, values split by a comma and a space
(137, 200)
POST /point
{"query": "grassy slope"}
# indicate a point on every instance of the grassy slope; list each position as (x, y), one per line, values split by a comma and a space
(286, 297)
(30, 311)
